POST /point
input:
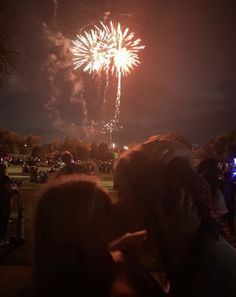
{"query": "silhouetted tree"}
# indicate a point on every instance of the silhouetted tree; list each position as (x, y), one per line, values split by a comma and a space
(36, 151)
(94, 151)
(7, 53)
(82, 151)
(222, 147)
(32, 140)
(103, 150)
(10, 142)
(232, 144)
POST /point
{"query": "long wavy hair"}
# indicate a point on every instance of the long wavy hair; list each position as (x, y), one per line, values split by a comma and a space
(163, 166)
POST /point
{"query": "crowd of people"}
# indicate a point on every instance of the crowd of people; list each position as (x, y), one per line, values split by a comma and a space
(165, 235)
(86, 167)
(5, 201)
(89, 166)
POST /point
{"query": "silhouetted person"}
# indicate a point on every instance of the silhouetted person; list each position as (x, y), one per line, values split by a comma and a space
(74, 223)
(72, 232)
(159, 190)
(209, 170)
(230, 196)
(70, 166)
(5, 203)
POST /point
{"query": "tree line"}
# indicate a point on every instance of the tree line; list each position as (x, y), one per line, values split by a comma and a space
(13, 143)
(222, 147)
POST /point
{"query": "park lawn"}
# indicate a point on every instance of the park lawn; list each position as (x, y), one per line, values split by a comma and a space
(15, 172)
(107, 181)
(29, 193)
(108, 184)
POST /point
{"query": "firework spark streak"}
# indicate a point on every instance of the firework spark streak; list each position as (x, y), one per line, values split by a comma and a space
(89, 52)
(109, 49)
(109, 127)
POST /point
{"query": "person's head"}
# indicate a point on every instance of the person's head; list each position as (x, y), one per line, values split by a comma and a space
(151, 177)
(3, 169)
(67, 157)
(208, 168)
(138, 177)
(71, 233)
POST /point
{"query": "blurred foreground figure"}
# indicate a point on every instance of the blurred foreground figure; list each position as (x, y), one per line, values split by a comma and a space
(71, 234)
(209, 170)
(159, 191)
(5, 203)
(74, 224)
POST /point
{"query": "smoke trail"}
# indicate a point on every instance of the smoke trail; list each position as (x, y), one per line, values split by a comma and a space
(118, 96)
(106, 87)
(54, 16)
(60, 76)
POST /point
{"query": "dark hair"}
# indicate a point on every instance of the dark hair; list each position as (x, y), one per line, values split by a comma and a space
(178, 174)
(208, 169)
(67, 157)
(65, 254)
(3, 167)
(149, 177)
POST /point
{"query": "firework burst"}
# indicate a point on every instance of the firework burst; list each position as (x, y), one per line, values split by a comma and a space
(110, 48)
(123, 52)
(89, 52)
(109, 127)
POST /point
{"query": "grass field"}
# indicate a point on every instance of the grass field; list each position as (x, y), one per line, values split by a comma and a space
(15, 172)
(29, 193)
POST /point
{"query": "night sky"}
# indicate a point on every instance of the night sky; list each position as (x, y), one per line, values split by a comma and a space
(186, 81)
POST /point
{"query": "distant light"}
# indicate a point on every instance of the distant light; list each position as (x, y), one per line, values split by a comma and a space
(25, 145)
(235, 161)
(125, 148)
(113, 145)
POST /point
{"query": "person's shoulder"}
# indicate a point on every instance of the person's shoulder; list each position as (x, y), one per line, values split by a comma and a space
(216, 269)
(220, 259)
(220, 246)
